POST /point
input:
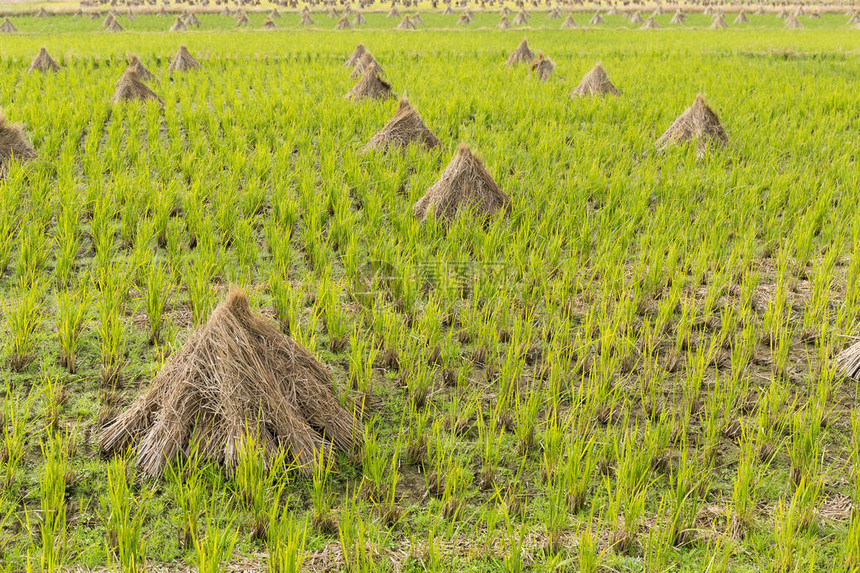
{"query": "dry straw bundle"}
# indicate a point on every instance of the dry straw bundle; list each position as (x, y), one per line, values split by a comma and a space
(130, 88)
(13, 145)
(679, 17)
(848, 361)
(406, 24)
(542, 67)
(183, 61)
(504, 23)
(365, 63)
(135, 64)
(595, 83)
(697, 124)
(236, 375)
(650, 24)
(569, 23)
(355, 56)
(404, 128)
(522, 55)
(178, 25)
(43, 62)
(596, 19)
(343, 23)
(370, 86)
(792, 23)
(465, 184)
(269, 24)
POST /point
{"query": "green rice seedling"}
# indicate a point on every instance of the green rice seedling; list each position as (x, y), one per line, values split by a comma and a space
(718, 554)
(659, 553)
(374, 465)
(527, 412)
(186, 478)
(489, 439)
(389, 509)
(214, 546)
(53, 395)
(363, 352)
(514, 541)
(328, 306)
(286, 299)
(490, 518)
(52, 497)
(9, 222)
(15, 415)
(173, 237)
(629, 494)
(808, 494)
(103, 233)
(198, 281)
(111, 328)
(785, 529)
(124, 514)
(416, 448)
(689, 487)
(71, 320)
(254, 481)
(712, 421)
(317, 250)
(419, 380)
(67, 238)
(34, 248)
(746, 487)
(23, 319)
(804, 448)
(456, 480)
(285, 544)
(589, 559)
(851, 546)
(579, 464)
(321, 497)
(156, 290)
(855, 458)
(245, 247)
(432, 556)
(354, 536)
(556, 517)
(552, 443)
(780, 351)
(306, 334)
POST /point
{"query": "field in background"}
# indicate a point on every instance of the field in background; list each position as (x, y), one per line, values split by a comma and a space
(633, 369)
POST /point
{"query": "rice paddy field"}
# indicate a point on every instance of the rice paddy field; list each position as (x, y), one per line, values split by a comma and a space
(631, 369)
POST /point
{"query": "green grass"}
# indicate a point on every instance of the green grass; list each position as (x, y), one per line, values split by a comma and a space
(616, 357)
